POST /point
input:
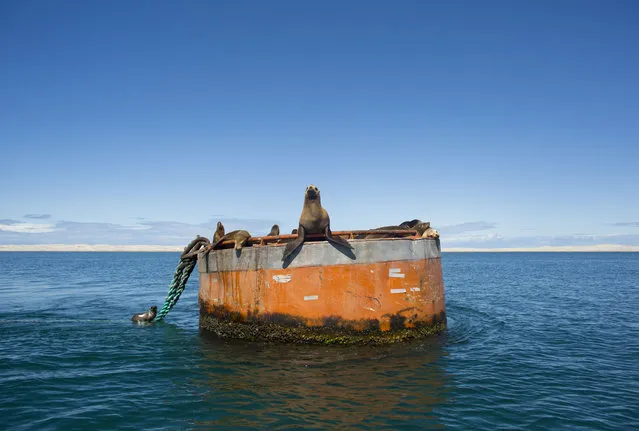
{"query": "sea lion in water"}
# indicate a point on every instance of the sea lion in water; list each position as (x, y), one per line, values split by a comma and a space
(239, 236)
(219, 232)
(275, 231)
(313, 220)
(146, 317)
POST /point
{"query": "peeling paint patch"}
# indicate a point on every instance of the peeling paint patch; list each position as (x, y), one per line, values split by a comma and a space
(415, 289)
(398, 290)
(311, 298)
(395, 273)
(282, 278)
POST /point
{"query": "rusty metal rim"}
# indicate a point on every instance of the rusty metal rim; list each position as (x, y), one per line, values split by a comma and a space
(349, 234)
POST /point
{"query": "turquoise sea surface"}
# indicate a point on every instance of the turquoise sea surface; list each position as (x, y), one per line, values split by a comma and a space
(535, 341)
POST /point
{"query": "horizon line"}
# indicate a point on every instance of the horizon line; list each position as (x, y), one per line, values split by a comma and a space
(174, 248)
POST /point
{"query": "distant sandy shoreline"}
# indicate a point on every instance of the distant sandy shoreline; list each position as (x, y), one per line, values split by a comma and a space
(175, 248)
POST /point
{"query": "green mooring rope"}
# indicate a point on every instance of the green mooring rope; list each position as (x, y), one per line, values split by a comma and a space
(183, 271)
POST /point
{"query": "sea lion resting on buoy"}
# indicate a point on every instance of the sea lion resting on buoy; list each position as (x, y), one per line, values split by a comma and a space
(421, 227)
(239, 236)
(416, 225)
(217, 236)
(430, 233)
(219, 232)
(409, 224)
(314, 220)
(275, 231)
(146, 317)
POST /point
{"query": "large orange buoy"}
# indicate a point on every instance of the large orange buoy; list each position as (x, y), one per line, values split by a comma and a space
(384, 290)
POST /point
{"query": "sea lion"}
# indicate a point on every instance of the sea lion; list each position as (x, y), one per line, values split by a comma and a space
(384, 235)
(294, 232)
(275, 231)
(421, 227)
(219, 232)
(430, 233)
(146, 317)
(416, 225)
(217, 235)
(313, 220)
(409, 224)
(239, 236)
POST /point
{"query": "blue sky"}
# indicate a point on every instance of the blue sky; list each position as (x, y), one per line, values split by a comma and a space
(503, 123)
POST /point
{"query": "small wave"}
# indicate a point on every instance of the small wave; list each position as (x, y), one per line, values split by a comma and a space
(466, 324)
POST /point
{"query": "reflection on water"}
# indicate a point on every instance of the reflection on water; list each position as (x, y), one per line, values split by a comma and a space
(261, 385)
(534, 341)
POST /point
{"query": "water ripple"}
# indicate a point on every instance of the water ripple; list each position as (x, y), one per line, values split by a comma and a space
(534, 341)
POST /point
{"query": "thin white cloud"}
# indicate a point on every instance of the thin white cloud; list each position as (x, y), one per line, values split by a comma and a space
(471, 226)
(142, 233)
(27, 228)
(38, 216)
(627, 224)
(9, 221)
(474, 238)
(498, 241)
(171, 233)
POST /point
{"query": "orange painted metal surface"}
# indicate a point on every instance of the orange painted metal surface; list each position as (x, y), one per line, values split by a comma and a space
(383, 296)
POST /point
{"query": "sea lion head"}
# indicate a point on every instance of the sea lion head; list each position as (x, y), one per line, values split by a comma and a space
(312, 192)
(275, 230)
(154, 309)
(219, 232)
(422, 227)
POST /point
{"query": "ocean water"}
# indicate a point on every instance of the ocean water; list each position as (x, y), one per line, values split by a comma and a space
(543, 341)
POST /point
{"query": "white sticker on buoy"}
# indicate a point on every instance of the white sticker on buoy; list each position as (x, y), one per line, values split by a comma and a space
(311, 298)
(398, 290)
(415, 289)
(282, 278)
(395, 272)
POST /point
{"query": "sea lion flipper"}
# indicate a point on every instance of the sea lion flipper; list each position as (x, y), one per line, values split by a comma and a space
(217, 243)
(291, 246)
(336, 239)
(223, 238)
